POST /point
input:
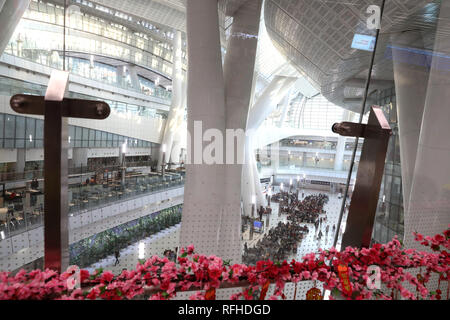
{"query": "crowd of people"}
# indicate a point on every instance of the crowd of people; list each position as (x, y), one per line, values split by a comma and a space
(277, 245)
(306, 211)
(282, 241)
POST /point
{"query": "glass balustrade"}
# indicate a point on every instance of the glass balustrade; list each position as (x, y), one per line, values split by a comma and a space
(25, 211)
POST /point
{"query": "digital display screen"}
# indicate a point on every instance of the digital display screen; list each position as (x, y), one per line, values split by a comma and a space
(257, 224)
(363, 42)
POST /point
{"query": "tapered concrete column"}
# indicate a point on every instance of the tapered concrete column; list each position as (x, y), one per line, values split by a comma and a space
(275, 159)
(204, 207)
(120, 74)
(238, 75)
(340, 148)
(79, 157)
(411, 82)
(134, 77)
(429, 203)
(285, 107)
(265, 104)
(21, 159)
(10, 15)
(176, 112)
(179, 140)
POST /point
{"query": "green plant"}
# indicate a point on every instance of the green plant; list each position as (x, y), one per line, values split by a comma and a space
(90, 250)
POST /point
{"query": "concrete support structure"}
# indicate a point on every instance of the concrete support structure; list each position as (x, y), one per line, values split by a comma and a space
(10, 14)
(265, 104)
(285, 107)
(79, 157)
(340, 148)
(275, 159)
(135, 83)
(128, 69)
(176, 113)
(211, 212)
(238, 76)
(411, 81)
(21, 159)
(121, 74)
(203, 206)
(429, 205)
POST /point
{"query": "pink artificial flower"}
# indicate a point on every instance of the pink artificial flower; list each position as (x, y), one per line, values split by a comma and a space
(190, 249)
(306, 275)
(107, 276)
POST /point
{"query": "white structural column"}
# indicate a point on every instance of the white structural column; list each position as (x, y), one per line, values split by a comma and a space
(340, 147)
(204, 205)
(121, 74)
(179, 140)
(411, 81)
(285, 107)
(176, 112)
(21, 159)
(79, 157)
(429, 205)
(238, 76)
(135, 83)
(265, 104)
(10, 14)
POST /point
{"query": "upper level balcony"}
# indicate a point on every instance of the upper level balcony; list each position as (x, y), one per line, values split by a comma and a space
(24, 210)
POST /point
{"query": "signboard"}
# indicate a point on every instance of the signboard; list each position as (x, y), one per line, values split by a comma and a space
(363, 42)
(264, 180)
(323, 183)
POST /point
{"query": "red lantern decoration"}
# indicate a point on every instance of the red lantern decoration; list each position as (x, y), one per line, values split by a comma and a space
(314, 294)
(210, 294)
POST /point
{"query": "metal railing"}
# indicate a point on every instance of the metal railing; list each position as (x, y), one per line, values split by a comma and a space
(26, 212)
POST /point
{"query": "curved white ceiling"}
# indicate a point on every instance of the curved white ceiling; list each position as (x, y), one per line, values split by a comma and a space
(316, 36)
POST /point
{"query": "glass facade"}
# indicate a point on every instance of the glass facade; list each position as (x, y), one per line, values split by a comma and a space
(94, 39)
(9, 87)
(389, 220)
(26, 132)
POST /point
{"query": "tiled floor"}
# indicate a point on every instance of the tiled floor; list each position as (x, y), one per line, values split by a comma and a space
(169, 238)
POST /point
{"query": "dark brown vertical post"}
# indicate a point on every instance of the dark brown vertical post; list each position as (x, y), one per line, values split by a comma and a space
(56, 236)
(56, 110)
(363, 206)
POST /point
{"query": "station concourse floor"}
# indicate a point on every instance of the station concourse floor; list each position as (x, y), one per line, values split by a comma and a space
(169, 238)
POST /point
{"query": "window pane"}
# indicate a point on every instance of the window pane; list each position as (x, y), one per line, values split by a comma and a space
(2, 126)
(40, 129)
(9, 143)
(78, 133)
(20, 143)
(91, 135)
(20, 127)
(71, 133)
(31, 125)
(85, 134)
(98, 135)
(10, 126)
